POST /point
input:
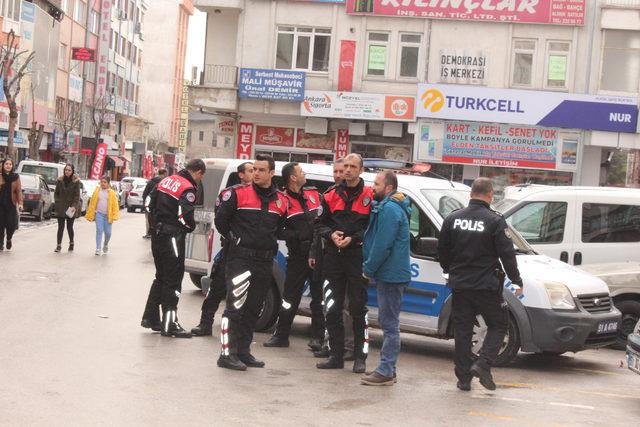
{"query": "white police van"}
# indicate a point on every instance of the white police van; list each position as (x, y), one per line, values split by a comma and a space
(556, 314)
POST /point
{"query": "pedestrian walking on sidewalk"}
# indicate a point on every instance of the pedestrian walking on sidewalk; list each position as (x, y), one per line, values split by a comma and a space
(104, 209)
(68, 203)
(10, 202)
(387, 263)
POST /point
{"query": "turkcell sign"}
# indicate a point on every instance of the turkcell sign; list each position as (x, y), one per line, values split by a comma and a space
(280, 85)
(527, 107)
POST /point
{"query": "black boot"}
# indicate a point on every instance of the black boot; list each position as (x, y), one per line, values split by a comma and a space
(204, 329)
(171, 327)
(9, 245)
(231, 362)
(154, 325)
(251, 361)
(276, 341)
(484, 374)
(334, 362)
(315, 344)
(323, 352)
(359, 366)
(349, 356)
(464, 385)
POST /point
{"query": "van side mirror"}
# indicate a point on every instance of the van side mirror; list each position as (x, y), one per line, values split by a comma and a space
(426, 246)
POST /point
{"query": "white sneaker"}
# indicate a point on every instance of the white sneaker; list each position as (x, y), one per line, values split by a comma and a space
(105, 249)
(97, 252)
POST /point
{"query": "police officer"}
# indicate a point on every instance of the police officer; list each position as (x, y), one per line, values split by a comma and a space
(218, 288)
(172, 205)
(345, 217)
(250, 218)
(303, 210)
(472, 243)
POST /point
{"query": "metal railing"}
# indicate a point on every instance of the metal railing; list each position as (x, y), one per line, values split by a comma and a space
(224, 76)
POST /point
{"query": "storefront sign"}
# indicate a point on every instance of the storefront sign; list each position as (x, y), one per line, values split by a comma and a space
(184, 117)
(271, 84)
(282, 137)
(147, 165)
(57, 142)
(552, 109)
(499, 145)
(75, 88)
(462, 67)
(103, 47)
(73, 142)
(98, 161)
(556, 12)
(342, 144)
(245, 140)
(83, 54)
(352, 105)
(225, 126)
(346, 66)
(314, 141)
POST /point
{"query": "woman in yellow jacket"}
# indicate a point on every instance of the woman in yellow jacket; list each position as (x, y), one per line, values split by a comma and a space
(103, 209)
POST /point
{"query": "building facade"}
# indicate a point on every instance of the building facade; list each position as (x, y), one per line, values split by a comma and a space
(382, 78)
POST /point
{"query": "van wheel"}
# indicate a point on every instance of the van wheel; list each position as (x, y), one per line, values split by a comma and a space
(630, 314)
(510, 346)
(269, 311)
(195, 279)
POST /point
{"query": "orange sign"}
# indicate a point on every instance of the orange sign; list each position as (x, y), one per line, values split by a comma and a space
(399, 107)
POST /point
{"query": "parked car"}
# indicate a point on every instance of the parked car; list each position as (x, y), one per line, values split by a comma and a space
(87, 187)
(596, 228)
(558, 312)
(633, 349)
(117, 187)
(49, 171)
(38, 198)
(127, 185)
(134, 198)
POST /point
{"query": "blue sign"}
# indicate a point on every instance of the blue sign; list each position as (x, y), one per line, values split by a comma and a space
(279, 85)
(57, 142)
(28, 12)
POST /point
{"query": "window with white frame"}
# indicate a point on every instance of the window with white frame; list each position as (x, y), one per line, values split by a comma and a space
(303, 48)
(76, 68)
(377, 54)
(93, 22)
(80, 12)
(10, 9)
(62, 56)
(557, 72)
(523, 65)
(409, 55)
(621, 61)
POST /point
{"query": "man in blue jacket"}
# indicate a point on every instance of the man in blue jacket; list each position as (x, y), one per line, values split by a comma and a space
(386, 261)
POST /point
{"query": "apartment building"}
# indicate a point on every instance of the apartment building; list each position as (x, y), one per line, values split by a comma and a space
(406, 80)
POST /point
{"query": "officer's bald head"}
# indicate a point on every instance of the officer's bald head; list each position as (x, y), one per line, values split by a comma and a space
(482, 188)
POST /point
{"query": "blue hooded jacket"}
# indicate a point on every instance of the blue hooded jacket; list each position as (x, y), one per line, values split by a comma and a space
(386, 241)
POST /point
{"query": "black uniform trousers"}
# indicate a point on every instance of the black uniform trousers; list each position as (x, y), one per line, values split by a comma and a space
(467, 304)
(248, 280)
(168, 257)
(217, 291)
(343, 275)
(298, 273)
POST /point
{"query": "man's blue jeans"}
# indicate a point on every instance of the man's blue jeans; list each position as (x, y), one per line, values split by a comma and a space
(389, 301)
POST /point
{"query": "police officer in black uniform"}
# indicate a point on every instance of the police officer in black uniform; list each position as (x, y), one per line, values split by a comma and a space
(218, 288)
(250, 217)
(151, 185)
(303, 210)
(172, 204)
(472, 243)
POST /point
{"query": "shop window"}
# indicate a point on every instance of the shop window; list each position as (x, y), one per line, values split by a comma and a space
(610, 223)
(620, 61)
(523, 65)
(377, 54)
(409, 55)
(557, 64)
(303, 49)
(540, 222)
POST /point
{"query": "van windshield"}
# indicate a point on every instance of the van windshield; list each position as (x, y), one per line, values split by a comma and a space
(504, 205)
(49, 174)
(447, 201)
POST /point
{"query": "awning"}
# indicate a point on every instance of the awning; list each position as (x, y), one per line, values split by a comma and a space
(117, 161)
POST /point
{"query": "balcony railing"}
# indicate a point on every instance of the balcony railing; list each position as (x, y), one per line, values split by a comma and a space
(219, 76)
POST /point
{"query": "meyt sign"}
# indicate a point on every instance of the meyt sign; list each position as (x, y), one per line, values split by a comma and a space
(245, 141)
(527, 107)
(83, 54)
(98, 162)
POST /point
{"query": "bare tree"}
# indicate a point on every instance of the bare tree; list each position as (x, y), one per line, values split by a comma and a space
(70, 118)
(156, 137)
(100, 113)
(13, 67)
(37, 130)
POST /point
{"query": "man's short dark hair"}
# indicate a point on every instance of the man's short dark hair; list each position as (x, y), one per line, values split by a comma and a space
(390, 178)
(288, 171)
(196, 165)
(243, 166)
(267, 158)
(162, 171)
(482, 186)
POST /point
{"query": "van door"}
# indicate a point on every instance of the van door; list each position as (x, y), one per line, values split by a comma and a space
(547, 226)
(606, 231)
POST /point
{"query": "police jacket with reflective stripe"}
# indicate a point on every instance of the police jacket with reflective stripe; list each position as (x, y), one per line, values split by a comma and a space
(302, 215)
(251, 217)
(471, 245)
(346, 210)
(173, 200)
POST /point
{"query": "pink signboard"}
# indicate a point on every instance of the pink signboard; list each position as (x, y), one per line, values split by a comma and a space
(555, 12)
